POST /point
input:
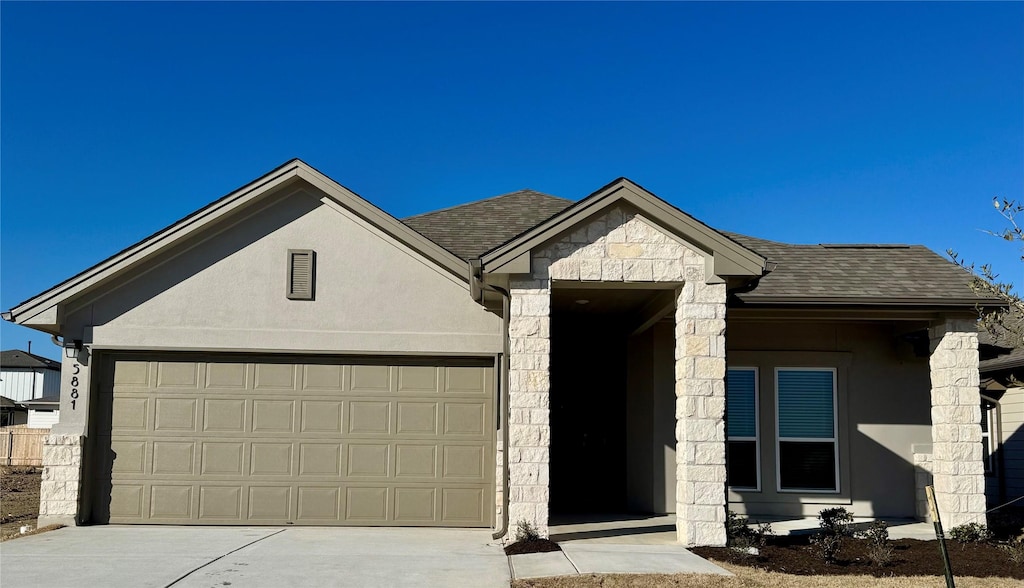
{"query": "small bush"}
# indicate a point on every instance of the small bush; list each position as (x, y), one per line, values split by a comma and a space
(826, 546)
(525, 531)
(835, 524)
(970, 533)
(1015, 550)
(880, 551)
(836, 521)
(740, 534)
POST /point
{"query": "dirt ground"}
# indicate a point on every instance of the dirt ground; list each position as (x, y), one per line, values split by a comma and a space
(19, 499)
(791, 555)
(751, 578)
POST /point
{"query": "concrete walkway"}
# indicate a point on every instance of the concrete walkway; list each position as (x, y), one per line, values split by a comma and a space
(191, 557)
(606, 558)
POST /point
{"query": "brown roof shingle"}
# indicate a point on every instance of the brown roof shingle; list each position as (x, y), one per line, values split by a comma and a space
(857, 274)
(472, 229)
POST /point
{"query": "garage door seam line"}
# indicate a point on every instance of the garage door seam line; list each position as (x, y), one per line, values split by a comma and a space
(189, 573)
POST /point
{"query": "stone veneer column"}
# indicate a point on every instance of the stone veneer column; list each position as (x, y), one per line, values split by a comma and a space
(622, 246)
(529, 431)
(700, 414)
(61, 488)
(957, 467)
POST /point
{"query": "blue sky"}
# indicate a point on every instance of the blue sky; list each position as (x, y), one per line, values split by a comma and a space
(798, 122)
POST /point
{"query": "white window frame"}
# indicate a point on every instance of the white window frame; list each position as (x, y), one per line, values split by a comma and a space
(835, 433)
(757, 428)
(993, 422)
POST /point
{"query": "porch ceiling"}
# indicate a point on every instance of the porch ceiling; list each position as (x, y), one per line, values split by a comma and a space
(630, 301)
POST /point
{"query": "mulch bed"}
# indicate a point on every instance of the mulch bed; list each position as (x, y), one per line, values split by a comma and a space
(911, 557)
(531, 546)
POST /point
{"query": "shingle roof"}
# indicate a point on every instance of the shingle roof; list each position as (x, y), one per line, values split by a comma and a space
(16, 358)
(866, 274)
(472, 229)
(873, 273)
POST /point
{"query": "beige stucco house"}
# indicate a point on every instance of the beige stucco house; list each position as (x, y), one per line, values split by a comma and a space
(291, 354)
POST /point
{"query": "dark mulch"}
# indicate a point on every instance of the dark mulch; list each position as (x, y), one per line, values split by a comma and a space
(531, 546)
(793, 555)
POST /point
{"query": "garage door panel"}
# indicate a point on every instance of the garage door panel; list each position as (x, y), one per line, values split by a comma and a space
(367, 505)
(370, 378)
(300, 443)
(175, 414)
(174, 458)
(224, 415)
(222, 458)
(271, 376)
(330, 378)
(220, 503)
(270, 503)
(322, 416)
(369, 417)
(177, 374)
(227, 376)
(273, 416)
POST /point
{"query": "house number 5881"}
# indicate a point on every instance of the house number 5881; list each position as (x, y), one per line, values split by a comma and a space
(75, 370)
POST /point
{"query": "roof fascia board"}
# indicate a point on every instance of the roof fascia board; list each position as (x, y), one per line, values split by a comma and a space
(657, 211)
(881, 302)
(385, 222)
(159, 240)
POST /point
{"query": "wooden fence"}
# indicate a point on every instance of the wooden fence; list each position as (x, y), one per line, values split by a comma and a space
(21, 446)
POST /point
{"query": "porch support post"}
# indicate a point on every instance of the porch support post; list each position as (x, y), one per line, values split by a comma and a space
(529, 438)
(700, 413)
(957, 466)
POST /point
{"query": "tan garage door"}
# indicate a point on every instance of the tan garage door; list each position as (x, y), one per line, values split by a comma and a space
(307, 442)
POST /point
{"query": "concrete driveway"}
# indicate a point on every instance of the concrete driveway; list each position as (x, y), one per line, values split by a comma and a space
(208, 557)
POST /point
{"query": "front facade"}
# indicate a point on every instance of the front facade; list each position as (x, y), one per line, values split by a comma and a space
(291, 354)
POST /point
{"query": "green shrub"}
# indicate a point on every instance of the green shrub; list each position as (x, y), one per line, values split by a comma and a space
(836, 521)
(525, 531)
(970, 533)
(1015, 550)
(742, 536)
(835, 524)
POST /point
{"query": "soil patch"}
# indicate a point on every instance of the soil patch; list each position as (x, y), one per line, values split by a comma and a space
(911, 557)
(531, 546)
(19, 499)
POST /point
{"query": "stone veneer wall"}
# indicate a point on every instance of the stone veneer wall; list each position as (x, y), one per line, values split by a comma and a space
(922, 477)
(619, 246)
(61, 485)
(957, 467)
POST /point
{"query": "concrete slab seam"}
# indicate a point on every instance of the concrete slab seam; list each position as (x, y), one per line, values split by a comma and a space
(220, 557)
(571, 562)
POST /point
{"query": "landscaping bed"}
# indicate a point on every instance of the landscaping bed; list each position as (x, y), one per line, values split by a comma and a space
(19, 499)
(911, 557)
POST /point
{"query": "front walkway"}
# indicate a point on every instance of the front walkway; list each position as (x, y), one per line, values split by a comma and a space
(625, 544)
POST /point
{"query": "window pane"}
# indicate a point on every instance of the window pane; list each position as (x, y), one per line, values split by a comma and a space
(805, 404)
(740, 405)
(807, 465)
(742, 460)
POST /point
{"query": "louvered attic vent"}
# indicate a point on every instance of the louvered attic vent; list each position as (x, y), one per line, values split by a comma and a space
(301, 266)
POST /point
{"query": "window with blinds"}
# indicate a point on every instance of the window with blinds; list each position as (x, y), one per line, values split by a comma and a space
(741, 407)
(301, 274)
(808, 450)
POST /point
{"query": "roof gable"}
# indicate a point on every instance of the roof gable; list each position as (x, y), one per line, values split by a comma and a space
(42, 310)
(730, 258)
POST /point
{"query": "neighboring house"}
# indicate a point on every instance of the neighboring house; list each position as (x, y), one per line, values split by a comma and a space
(24, 376)
(12, 413)
(43, 412)
(291, 354)
(1002, 403)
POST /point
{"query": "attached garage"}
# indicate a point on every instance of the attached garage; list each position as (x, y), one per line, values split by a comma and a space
(227, 439)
